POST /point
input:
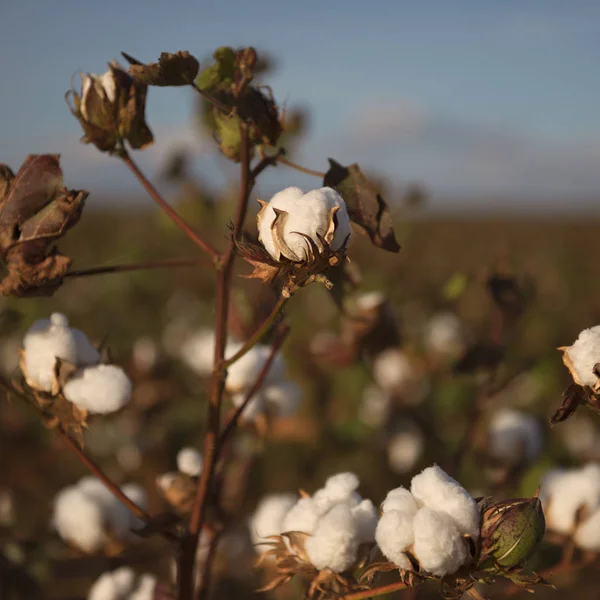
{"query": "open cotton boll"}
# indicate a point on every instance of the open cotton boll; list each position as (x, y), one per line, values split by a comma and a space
(400, 499)
(79, 519)
(145, 588)
(393, 370)
(44, 342)
(113, 585)
(365, 518)
(99, 389)
(335, 540)
(439, 546)
(444, 334)
(394, 535)
(404, 448)
(587, 536)
(370, 300)
(198, 351)
(304, 215)
(435, 489)
(120, 519)
(189, 461)
(339, 488)
(514, 435)
(584, 354)
(375, 406)
(242, 374)
(564, 492)
(303, 516)
(269, 515)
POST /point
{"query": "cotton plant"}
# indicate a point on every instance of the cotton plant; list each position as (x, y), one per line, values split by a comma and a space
(323, 536)
(514, 437)
(63, 371)
(87, 516)
(267, 519)
(571, 501)
(178, 487)
(123, 584)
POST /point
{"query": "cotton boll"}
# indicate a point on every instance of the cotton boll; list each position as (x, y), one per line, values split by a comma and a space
(564, 493)
(45, 341)
(514, 435)
(375, 406)
(113, 585)
(121, 520)
(97, 491)
(444, 334)
(439, 546)
(393, 370)
(365, 517)
(283, 399)
(405, 448)
(303, 516)
(335, 540)
(269, 516)
(587, 536)
(338, 488)
(189, 461)
(400, 499)
(584, 354)
(435, 489)
(79, 519)
(305, 215)
(243, 373)
(370, 300)
(198, 351)
(145, 588)
(394, 535)
(99, 389)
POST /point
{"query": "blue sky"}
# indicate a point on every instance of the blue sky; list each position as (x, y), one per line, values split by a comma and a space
(471, 97)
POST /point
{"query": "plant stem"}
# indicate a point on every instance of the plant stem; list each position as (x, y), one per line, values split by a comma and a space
(166, 207)
(148, 264)
(259, 334)
(233, 421)
(380, 591)
(289, 163)
(190, 542)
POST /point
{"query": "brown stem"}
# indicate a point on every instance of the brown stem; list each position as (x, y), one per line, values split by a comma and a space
(139, 266)
(289, 163)
(374, 592)
(233, 421)
(216, 103)
(259, 333)
(166, 207)
(190, 542)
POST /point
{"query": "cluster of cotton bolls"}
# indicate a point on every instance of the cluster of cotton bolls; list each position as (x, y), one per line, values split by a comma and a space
(94, 387)
(278, 396)
(123, 584)
(335, 519)
(90, 518)
(571, 502)
(425, 528)
(514, 437)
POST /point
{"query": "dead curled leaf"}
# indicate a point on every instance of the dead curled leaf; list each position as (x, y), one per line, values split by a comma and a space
(367, 209)
(171, 69)
(35, 211)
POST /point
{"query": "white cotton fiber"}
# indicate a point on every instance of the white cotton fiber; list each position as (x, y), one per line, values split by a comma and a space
(303, 516)
(584, 354)
(269, 515)
(99, 389)
(243, 373)
(435, 489)
(404, 448)
(400, 499)
(394, 535)
(393, 371)
(439, 546)
(198, 351)
(145, 588)
(365, 518)
(189, 461)
(334, 542)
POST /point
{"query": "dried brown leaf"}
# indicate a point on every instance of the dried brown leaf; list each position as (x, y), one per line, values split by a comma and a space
(177, 69)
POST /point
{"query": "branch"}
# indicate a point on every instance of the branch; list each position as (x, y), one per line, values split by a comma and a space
(166, 207)
(259, 334)
(289, 163)
(374, 592)
(148, 264)
(216, 103)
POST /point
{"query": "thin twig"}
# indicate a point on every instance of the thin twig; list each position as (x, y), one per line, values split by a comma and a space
(233, 421)
(139, 266)
(289, 163)
(217, 103)
(166, 207)
(374, 592)
(259, 334)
